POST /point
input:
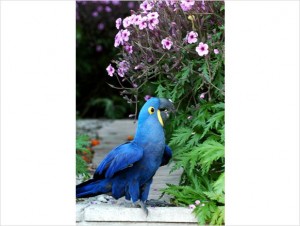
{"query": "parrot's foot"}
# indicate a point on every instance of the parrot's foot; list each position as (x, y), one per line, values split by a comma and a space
(143, 206)
(126, 203)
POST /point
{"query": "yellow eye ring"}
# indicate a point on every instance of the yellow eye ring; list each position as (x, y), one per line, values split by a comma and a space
(151, 110)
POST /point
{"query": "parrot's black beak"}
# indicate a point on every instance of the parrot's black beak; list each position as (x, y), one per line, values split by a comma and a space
(166, 106)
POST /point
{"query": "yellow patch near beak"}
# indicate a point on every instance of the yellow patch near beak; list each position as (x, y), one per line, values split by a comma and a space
(159, 117)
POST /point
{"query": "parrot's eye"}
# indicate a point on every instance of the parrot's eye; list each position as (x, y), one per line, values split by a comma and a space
(151, 110)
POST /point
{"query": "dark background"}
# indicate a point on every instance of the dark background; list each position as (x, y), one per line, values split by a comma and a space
(95, 32)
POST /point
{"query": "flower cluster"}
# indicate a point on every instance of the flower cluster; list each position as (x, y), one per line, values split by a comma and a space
(162, 31)
(141, 21)
(144, 27)
(123, 67)
(122, 37)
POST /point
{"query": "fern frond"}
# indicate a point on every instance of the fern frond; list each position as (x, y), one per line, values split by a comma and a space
(219, 184)
(209, 152)
(181, 136)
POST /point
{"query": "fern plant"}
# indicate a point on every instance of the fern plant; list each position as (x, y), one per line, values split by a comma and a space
(199, 149)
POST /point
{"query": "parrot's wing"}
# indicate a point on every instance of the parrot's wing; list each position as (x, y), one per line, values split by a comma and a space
(167, 156)
(118, 159)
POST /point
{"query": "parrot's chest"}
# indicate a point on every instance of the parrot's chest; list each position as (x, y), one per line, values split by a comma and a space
(152, 140)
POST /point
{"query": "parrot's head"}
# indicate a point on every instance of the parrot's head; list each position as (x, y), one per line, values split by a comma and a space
(156, 109)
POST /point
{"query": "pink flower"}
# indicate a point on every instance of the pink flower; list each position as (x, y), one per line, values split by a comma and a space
(216, 51)
(152, 23)
(197, 202)
(107, 9)
(127, 21)
(128, 49)
(95, 14)
(100, 8)
(118, 39)
(147, 97)
(167, 43)
(124, 65)
(143, 23)
(115, 2)
(202, 95)
(188, 2)
(110, 70)
(192, 206)
(185, 7)
(202, 49)
(132, 18)
(118, 23)
(121, 72)
(152, 15)
(146, 6)
(101, 26)
(192, 37)
(136, 20)
(125, 35)
(203, 5)
(130, 5)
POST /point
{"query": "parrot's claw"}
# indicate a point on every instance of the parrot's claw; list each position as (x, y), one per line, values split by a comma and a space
(144, 208)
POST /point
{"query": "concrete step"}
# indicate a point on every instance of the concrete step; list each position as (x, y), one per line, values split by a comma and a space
(107, 214)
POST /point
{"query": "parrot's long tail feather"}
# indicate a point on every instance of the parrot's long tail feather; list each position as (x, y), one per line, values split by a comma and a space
(92, 188)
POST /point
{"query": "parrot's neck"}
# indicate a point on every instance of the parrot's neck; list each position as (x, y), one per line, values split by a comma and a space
(149, 132)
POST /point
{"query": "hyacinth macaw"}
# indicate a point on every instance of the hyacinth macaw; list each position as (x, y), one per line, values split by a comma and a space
(128, 169)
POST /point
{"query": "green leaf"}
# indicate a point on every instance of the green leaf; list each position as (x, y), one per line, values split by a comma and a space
(219, 184)
(209, 152)
(81, 167)
(181, 136)
(82, 141)
(214, 121)
(160, 91)
(218, 216)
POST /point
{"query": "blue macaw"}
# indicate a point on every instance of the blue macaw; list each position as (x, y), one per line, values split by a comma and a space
(128, 169)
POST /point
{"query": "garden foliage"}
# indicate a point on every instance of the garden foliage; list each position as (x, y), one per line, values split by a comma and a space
(82, 143)
(177, 49)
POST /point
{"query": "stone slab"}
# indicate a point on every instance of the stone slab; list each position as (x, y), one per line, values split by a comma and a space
(80, 211)
(134, 224)
(107, 213)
